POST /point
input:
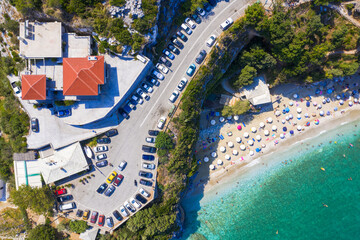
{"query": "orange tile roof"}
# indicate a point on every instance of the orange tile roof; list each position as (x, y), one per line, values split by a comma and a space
(81, 77)
(33, 87)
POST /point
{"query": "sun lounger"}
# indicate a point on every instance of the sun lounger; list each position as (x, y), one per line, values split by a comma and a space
(221, 137)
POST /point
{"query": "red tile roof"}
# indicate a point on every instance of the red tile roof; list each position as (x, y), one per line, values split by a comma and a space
(33, 87)
(81, 77)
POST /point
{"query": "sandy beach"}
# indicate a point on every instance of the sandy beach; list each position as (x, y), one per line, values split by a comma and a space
(298, 114)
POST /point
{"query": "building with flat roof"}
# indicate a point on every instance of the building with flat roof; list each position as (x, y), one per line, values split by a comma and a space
(257, 93)
(76, 46)
(27, 170)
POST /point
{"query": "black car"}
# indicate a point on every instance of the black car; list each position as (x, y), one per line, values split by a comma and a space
(34, 124)
(165, 61)
(65, 198)
(200, 57)
(117, 215)
(174, 49)
(109, 191)
(177, 42)
(140, 198)
(148, 157)
(196, 18)
(181, 36)
(145, 182)
(145, 174)
(207, 7)
(102, 163)
(111, 132)
(212, 2)
(153, 132)
(102, 188)
(124, 114)
(79, 213)
(148, 149)
(103, 140)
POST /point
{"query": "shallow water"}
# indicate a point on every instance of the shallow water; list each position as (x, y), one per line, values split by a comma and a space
(287, 197)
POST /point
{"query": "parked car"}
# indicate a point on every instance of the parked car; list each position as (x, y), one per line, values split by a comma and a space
(196, 18)
(146, 182)
(169, 54)
(148, 149)
(122, 165)
(182, 84)
(123, 211)
(102, 163)
(109, 222)
(162, 68)
(79, 213)
(145, 174)
(111, 177)
(129, 206)
(148, 157)
(147, 88)
(211, 40)
(174, 49)
(158, 75)
(34, 124)
(142, 94)
(104, 140)
(174, 96)
(101, 156)
(111, 133)
(153, 132)
(132, 104)
(86, 215)
(102, 188)
(190, 23)
(182, 36)
(201, 12)
(94, 216)
(135, 203)
(177, 43)
(164, 61)
(140, 198)
(101, 149)
(186, 28)
(200, 57)
(225, 25)
(161, 122)
(17, 89)
(60, 192)
(109, 191)
(144, 192)
(118, 180)
(63, 113)
(117, 215)
(212, 2)
(191, 70)
(125, 113)
(150, 166)
(65, 198)
(150, 140)
(101, 220)
(207, 7)
(137, 99)
(153, 81)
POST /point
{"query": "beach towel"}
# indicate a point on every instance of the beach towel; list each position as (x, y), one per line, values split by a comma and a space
(244, 124)
(221, 137)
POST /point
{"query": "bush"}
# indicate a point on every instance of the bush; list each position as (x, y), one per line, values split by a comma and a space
(240, 107)
(78, 226)
(246, 77)
(45, 232)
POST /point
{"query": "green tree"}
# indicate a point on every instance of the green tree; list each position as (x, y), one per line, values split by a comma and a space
(338, 36)
(164, 141)
(258, 58)
(78, 226)
(315, 27)
(246, 77)
(240, 107)
(43, 232)
(349, 68)
(254, 14)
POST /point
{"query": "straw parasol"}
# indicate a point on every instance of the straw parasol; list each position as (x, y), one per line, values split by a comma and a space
(213, 122)
(213, 154)
(222, 119)
(266, 132)
(246, 134)
(274, 128)
(235, 152)
(299, 110)
(242, 147)
(251, 153)
(222, 149)
(212, 167)
(219, 162)
(258, 137)
(206, 159)
(238, 139)
(253, 129)
(230, 144)
(269, 120)
(227, 157)
(251, 142)
(262, 124)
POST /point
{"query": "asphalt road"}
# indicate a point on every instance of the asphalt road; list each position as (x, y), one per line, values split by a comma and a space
(132, 132)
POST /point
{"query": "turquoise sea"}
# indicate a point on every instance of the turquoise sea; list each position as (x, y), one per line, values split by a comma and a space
(290, 197)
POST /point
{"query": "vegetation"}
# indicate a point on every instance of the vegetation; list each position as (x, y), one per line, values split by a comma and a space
(238, 108)
(43, 232)
(65, 103)
(11, 222)
(78, 226)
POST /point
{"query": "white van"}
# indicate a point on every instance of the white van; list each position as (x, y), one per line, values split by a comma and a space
(67, 206)
(226, 24)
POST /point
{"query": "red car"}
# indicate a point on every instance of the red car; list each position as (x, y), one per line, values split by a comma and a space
(94, 217)
(60, 192)
(101, 220)
(118, 180)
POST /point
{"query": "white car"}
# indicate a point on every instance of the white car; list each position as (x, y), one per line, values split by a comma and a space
(148, 88)
(122, 165)
(137, 99)
(142, 94)
(201, 11)
(190, 23)
(211, 40)
(161, 122)
(174, 96)
(186, 29)
(129, 207)
(144, 192)
(100, 149)
(226, 24)
(123, 211)
(150, 166)
(150, 140)
(162, 68)
(135, 203)
(158, 75)
(182, 84)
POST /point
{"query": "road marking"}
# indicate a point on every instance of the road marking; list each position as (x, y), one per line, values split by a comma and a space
(194, 44)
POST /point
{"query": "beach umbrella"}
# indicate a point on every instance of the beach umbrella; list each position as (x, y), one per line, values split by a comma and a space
(283, 111)
(324, 101)
(335, 108)
(253, 129)
(229, 117)
(328, 113)
(291, 132)
(307, 124)
(313, 114)
(242, 147)
(307, 104)
(219, 162)
(262, 124)
(213, 122)
(274, 128)
(319, 106)
(283, 121)
(338, 97)
(238, 139)
(317, 122)
(236, 117)
(298, 116)
(222, 149)
(269, 120)
(284, 129)
(328, 100)
(277, 113)
(235, 152)
(258, 149)
(239, 127)
(291, 116)
(251, 142)
(299, 128)
(246, 134)
(295, 95)
(329, 91)
(227, 157)
(282, 136)
(213, 154)
(266, 132)
(321, 113)
(206, 159)
(299, 110)
(314, 104)
(356, 100)
(212, 167)
(291, 103)
(230, 144)
(350, 103)
(222, 119)
(251, 153)
(258, 137)
(306, 115)
(287, 118)
(287, 110)
(307, 98)
(263, 145)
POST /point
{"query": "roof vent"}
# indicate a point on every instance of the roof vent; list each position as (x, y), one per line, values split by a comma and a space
(92, 58)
